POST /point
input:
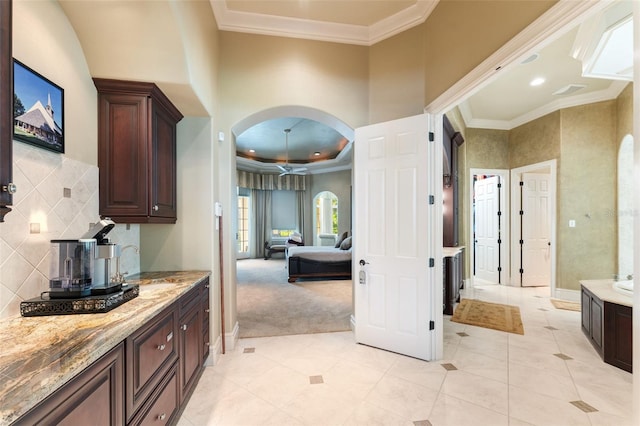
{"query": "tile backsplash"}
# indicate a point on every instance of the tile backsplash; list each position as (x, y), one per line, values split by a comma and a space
(57, 198)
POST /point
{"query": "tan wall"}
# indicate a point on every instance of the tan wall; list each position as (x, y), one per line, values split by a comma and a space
(396, 77)
(536, 141)
(587, 194)
(460, 34)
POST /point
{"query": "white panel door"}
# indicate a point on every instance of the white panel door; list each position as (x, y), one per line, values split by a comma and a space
(393, 289)
(536, 230)
(487, 259)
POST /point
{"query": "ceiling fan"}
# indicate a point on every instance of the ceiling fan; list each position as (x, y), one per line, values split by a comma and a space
(286, 168)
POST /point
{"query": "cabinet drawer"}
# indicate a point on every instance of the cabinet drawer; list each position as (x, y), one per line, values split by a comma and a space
(150, 353)
(189, 300)
(163, 405)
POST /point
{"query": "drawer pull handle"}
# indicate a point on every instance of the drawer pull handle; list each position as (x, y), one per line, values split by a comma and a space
(206, 286)
(184, 327)
(169, 336)
(207, 311)
(162, 416)
(160, 347)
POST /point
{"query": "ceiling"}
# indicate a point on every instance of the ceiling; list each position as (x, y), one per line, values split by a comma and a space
(504, 103)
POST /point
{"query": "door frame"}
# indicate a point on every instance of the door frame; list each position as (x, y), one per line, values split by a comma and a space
(542, 167)
(504, 208)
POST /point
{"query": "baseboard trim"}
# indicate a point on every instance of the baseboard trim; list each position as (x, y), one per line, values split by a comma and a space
(566, 294)
(231, 338)
(215, 351)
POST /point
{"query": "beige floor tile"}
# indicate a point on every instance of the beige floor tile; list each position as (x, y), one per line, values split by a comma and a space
(482, 365)
(279, 385)
(544, 382)
(428, 374)
(451, 411)
(402, 397)
(367, 414)
(487, 393)
(539, 409)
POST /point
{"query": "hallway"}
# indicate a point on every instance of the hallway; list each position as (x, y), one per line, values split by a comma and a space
(550, 376)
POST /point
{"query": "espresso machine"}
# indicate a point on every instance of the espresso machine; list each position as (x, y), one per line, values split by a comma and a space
(106, 277)
(72, 268)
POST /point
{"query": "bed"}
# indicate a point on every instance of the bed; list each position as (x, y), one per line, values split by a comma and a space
(318, 262)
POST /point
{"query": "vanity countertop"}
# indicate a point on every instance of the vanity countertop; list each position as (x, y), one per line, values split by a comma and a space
(451, 251)
(603, 289)
(40, 354)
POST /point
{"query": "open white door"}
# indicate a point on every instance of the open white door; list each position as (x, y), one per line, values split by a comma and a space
(487, 205)
(536, 229)
(394, 235)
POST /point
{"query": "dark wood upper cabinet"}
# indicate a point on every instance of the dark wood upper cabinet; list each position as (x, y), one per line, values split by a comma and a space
(451, 141)
(136, 152)
(7, 188)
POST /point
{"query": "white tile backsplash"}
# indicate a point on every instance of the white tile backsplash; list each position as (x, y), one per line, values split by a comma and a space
(41, 177)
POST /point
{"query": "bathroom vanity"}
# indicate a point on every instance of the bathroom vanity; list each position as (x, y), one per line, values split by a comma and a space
(607, 318)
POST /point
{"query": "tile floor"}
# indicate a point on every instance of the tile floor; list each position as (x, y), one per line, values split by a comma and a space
(550, 376)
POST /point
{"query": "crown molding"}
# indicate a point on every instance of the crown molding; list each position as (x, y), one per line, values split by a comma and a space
(547, 28)
(612, 92)
(254, 23)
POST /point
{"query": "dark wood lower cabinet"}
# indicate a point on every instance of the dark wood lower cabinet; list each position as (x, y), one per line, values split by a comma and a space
(608, 326)
(146, 379)
(453, 280)
(95, 396)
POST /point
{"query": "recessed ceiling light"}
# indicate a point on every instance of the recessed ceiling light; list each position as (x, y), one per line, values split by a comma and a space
(537, 81)
(252, 151)
(316, 153)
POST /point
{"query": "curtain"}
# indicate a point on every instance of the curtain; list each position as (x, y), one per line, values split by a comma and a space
(261, 218)
(300, 211)
(271, 182)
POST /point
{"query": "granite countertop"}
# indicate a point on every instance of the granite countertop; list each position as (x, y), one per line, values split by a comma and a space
(40, 354)
(603, 289)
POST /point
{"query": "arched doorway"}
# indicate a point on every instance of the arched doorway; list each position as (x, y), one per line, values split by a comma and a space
(625, 207)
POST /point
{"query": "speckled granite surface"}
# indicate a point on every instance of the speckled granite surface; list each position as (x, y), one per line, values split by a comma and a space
(40, 354)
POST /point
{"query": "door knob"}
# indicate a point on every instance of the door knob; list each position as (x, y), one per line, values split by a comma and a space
(363, 262)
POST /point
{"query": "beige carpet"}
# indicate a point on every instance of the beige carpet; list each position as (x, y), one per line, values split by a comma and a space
(489, 315)
(270, 306)
(566, 305)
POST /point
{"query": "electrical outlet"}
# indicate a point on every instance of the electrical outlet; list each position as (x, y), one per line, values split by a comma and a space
(572, 223)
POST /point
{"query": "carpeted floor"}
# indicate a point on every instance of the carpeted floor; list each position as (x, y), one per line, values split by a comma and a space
(270, 306)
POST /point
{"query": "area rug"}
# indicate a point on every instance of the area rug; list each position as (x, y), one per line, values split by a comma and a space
(566, 305)
(489, 315)
(270, 306)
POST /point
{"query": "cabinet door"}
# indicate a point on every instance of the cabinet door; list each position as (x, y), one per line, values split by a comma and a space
(618, 336)
(586, 312)
(95, 396)
(122, 155)
(205, 319)
(597, 315)
(163, 164)
(190, 349)
(6, 109)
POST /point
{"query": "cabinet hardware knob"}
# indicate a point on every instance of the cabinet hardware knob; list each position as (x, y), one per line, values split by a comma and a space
(207, 310)
(160, 347)
(206, 286)
(11, 188)
(162, 416)
(184, 327)
(155, 208)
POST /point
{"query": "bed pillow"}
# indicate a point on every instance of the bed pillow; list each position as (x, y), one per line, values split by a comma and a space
(346, 244)
(341, 239)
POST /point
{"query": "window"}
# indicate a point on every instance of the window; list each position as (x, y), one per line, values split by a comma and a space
(243, 224)
(283, 214)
